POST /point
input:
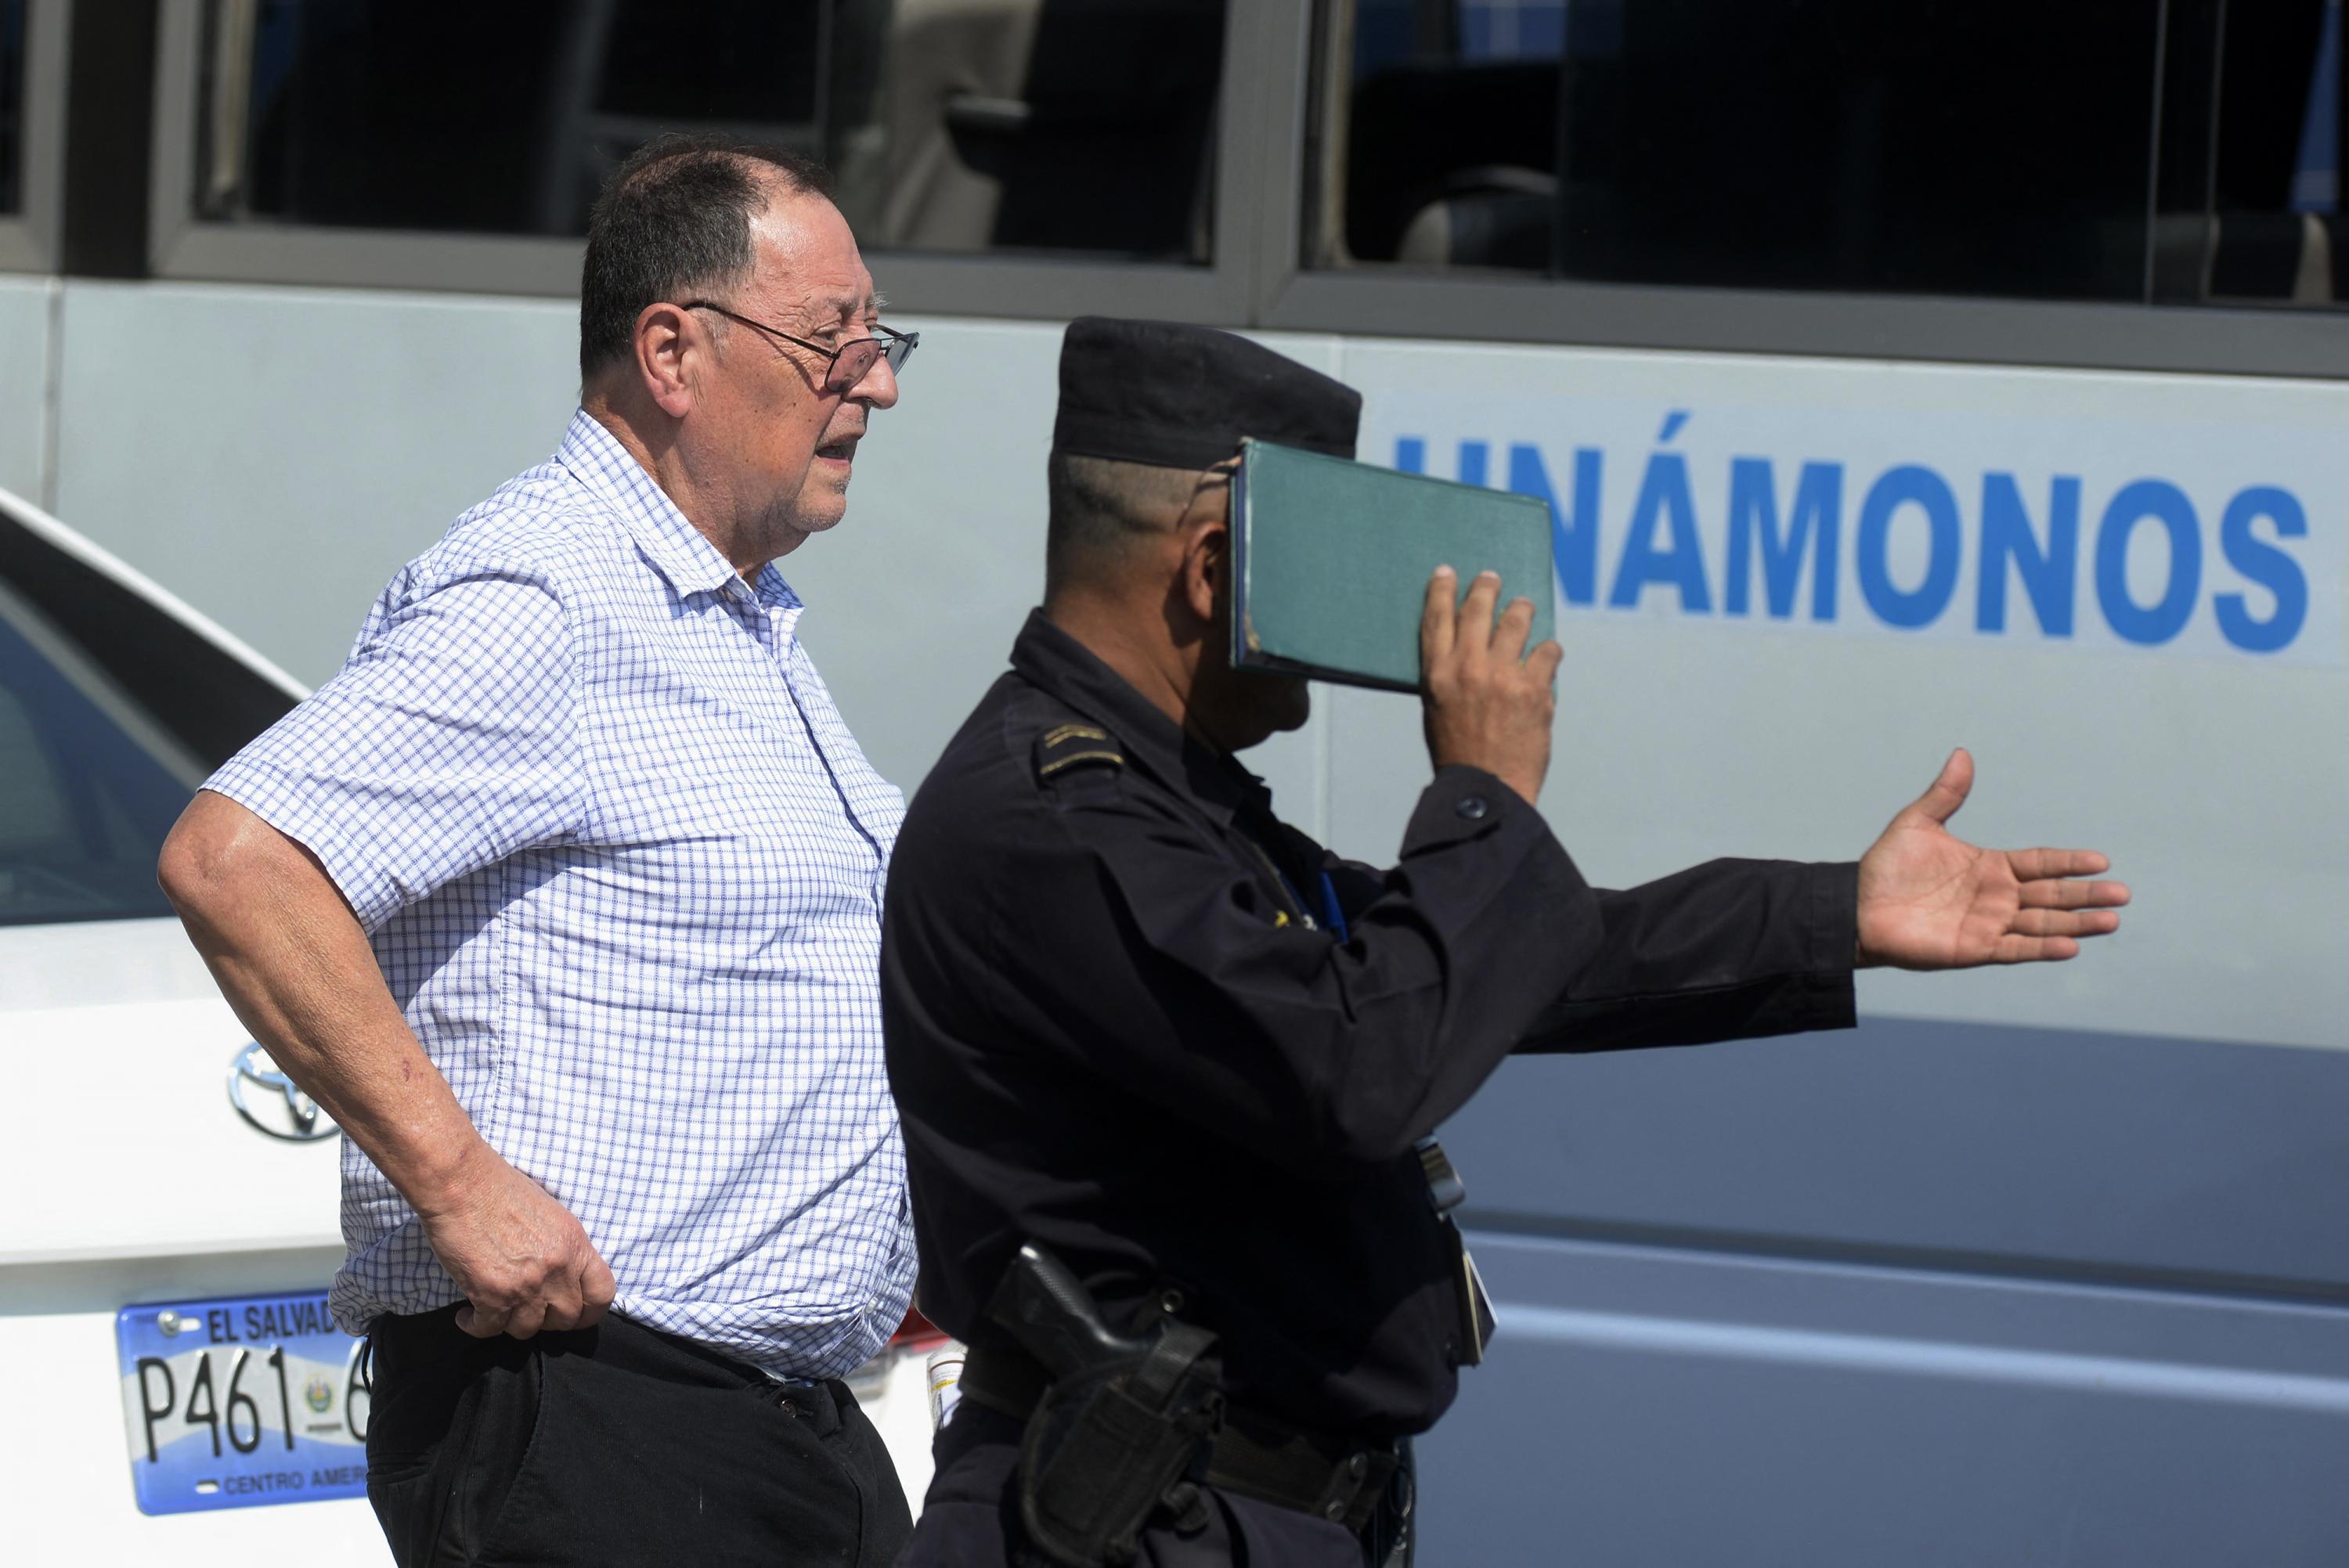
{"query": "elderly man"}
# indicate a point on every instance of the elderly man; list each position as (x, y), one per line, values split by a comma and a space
(564, 899)
(1150, 1039)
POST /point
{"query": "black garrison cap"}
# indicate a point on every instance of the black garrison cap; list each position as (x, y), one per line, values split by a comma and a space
(1180, 397)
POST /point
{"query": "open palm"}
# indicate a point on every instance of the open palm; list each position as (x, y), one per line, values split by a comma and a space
(1929, 900)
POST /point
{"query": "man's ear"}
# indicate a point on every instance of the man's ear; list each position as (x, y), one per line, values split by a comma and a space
(1206, 563)
(669, 345)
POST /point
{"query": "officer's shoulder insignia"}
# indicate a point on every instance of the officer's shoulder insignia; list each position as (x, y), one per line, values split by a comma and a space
(1065, 747)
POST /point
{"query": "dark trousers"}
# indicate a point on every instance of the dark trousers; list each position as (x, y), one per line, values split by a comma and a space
(970, 1517)
(613, 1445)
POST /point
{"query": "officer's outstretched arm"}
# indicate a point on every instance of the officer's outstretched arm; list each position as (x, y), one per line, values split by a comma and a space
(1202, 992)
(1742, 948)
(1730, 950)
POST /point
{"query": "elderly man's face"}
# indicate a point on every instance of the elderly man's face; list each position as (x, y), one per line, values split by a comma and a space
(786, 442)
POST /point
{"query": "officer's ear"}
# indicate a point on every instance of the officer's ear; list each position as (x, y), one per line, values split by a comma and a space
(1207, 533)
(1206, 558)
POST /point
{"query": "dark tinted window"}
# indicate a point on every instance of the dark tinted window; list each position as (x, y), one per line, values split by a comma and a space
(89, 784)
(2273, 228)
(1995, 147)
(953, 125)
(1998, 146)
(12, 105)
(2163, 150)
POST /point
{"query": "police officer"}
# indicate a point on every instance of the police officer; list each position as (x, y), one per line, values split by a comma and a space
(1142, 1028)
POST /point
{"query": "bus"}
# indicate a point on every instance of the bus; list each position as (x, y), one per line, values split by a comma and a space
(1897, 377)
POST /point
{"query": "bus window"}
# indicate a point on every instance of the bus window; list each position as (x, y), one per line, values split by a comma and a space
(1055, 126)
(1038, 125)
(1449, 123)
(12, 105)
(1997, 147)
(1988, 146)
(2275, 228)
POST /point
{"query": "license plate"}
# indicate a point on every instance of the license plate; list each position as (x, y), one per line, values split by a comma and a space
(237, 1402)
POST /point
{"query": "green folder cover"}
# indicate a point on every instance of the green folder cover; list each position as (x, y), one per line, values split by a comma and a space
(1331, 557)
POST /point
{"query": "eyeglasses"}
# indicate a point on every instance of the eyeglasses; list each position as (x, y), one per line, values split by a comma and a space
(844, 367)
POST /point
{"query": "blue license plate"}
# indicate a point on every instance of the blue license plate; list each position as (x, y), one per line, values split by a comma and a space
(246, 1400)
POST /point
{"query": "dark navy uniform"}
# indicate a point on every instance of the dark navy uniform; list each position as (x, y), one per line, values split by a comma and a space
(1134, 1016)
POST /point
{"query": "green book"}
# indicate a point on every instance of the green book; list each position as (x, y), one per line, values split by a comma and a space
(1331, 557)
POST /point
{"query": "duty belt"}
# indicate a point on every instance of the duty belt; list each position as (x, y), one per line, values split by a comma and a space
(1330, 1475)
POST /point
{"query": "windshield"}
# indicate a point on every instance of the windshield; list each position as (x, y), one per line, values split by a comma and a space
(89, 783)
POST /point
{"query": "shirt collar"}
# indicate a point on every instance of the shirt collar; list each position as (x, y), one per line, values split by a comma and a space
(772, 591)
(678, 550)
(1056, 663)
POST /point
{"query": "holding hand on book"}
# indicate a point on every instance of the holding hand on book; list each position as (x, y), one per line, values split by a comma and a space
(1487, 703)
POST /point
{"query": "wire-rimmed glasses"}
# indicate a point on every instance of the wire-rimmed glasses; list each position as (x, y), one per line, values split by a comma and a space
(844, 367)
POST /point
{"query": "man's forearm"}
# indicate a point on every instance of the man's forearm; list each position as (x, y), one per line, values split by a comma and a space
(295, 966)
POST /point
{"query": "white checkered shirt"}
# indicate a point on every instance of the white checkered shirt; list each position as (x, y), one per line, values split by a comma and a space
(622, 864)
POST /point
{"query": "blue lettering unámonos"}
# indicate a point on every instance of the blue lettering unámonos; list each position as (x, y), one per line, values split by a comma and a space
(1663, 496)
(2015, 544)
(1573, 530)
(1911, 484)
(2139, 501)
(1813, 519)
(2265, 564)
(2047, 572)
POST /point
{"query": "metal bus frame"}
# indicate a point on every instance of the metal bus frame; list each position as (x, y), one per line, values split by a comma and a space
(1270, 164)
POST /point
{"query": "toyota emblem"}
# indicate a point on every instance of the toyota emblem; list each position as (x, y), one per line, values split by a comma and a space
(270, 1102)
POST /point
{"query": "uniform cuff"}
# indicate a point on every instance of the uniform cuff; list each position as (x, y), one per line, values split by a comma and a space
(1835, 917)
(1463, 803)
(1826, 998)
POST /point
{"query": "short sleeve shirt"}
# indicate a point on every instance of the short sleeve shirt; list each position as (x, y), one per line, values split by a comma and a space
(622, 863)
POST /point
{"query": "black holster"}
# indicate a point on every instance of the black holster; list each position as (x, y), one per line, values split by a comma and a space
(1122, 1428)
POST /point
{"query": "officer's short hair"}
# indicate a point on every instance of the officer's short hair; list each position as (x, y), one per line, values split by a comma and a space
(675, 220)
(1098, 507)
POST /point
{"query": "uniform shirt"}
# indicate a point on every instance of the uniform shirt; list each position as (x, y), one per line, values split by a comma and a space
(622, 864)
(1117, 1026)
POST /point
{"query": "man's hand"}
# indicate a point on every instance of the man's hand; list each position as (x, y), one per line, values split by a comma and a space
(1485, 702)
(521, 1258)
(292, 962)
(1929, 900)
